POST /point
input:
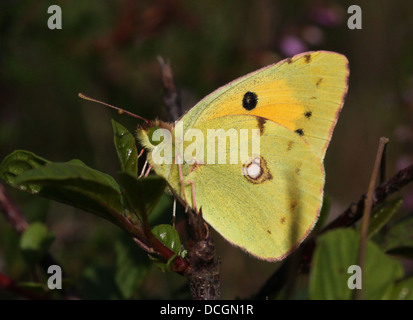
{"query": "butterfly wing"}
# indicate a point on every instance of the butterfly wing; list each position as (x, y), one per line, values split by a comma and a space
(304, 94)
(268, 203)
(269, 212)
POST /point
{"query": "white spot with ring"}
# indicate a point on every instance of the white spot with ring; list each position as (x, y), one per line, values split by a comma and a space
(253, 168)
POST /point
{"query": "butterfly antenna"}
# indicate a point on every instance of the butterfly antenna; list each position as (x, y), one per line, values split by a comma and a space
(121, 111)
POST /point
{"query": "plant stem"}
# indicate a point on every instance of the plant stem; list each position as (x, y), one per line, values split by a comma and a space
(12, 212)
(203, 271)
(10, 285)
(172, 98)
(358, 294)
(350, 216)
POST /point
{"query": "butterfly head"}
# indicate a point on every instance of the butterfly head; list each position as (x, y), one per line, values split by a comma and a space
(148, 134)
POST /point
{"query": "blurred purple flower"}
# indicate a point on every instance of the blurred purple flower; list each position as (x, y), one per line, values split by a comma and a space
(403, 162)
(408, 201)
(291, 45)
(330, 16)
(403, 134)
(312, 35)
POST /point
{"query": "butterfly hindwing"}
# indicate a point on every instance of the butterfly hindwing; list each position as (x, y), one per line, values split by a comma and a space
(267, 215)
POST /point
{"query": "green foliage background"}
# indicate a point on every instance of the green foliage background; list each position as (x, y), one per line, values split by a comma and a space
(108, 50)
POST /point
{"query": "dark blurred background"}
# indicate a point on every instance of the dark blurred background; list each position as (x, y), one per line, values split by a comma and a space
(109, 49)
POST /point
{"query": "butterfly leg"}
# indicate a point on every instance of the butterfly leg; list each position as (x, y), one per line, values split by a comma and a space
(143, 169)
(140, 155)
(174, 213)
(148, 171)
(196, 209)
(181, 178)
(193, 196)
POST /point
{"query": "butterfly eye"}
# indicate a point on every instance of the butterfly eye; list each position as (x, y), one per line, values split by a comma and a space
(150, 135)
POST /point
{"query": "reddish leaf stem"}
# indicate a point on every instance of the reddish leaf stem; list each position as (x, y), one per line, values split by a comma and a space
(10, 285)
(12, 212)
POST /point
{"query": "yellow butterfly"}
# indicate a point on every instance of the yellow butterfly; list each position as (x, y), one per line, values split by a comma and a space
(267, 202)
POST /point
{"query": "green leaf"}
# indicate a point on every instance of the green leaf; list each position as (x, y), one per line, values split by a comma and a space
(33, 286)
(382, 214)
(132, 265)
(18, 162)
(35, 242)
(144, 193)
(75, 184)
(336, 251)
(98, 282)
(400, 235)
(162, 213)
(125, 148)
(403, 290)
(168, 236)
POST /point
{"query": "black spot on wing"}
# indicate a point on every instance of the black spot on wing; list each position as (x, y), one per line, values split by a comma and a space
(307, 58)
(300, 132)
(293, 205)
(308, 114)
(261, 123)
(250, 100)
(298, 168)
(317, 84)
